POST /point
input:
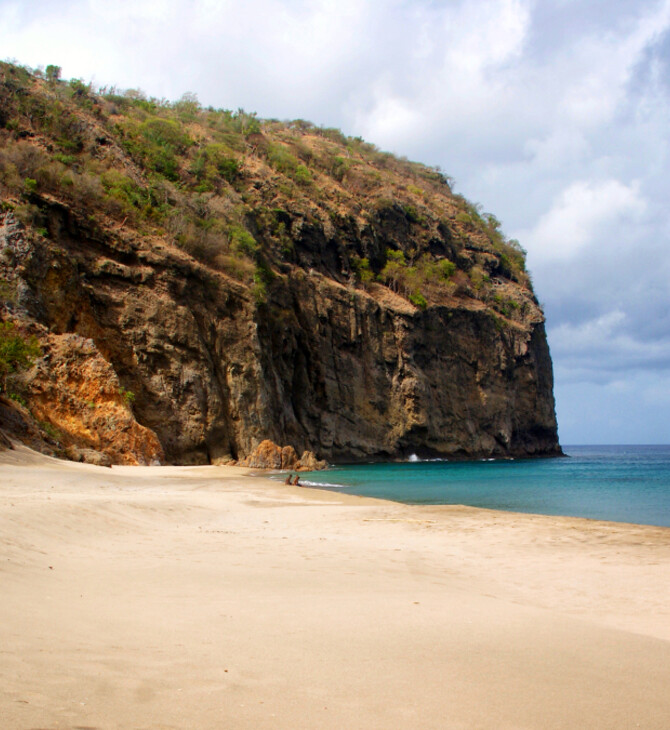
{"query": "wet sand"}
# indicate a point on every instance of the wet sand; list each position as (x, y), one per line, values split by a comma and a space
(167, 597)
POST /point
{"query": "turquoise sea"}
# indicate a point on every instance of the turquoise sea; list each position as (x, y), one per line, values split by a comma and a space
(617, 483)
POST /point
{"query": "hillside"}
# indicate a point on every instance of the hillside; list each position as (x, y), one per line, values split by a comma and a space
(198, 280)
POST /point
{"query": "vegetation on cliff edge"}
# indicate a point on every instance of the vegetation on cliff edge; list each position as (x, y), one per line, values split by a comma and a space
(249, 197)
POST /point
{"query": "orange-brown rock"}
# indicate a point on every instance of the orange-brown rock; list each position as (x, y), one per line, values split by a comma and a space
(267, 455)
(76, 394)
(309, 462)
(288, 457)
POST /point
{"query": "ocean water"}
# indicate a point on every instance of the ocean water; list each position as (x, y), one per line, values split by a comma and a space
(617, 483)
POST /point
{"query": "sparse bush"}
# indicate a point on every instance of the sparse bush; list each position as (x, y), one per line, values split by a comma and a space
(394, 273)
(187, 107)
(16, 352)
(282, 160)
(418, 300)
(259, 289)
(243, 122)
(361, 267)
(446, 269)
(236, 267)
(477, 276)
(333, 134)
(124, 191)
(339, 168)
(53, 73)
(242, 242)
(127, 395)
(211, 165)
(302, 175)
(29, 214)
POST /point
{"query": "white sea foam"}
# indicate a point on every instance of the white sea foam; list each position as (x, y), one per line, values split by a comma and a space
(307, 483)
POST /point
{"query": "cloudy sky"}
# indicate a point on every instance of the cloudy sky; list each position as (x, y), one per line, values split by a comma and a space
(553, 114)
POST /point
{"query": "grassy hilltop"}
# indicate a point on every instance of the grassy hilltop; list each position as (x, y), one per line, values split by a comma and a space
(233, 190)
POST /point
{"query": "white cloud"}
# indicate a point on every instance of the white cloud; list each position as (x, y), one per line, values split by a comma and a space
(579, 214)
(560, 147)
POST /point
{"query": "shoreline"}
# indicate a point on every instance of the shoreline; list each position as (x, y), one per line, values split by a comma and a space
(590, 520)
(609, 484)
(205, 597)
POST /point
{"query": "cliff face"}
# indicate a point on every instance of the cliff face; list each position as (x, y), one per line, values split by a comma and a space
(345, 372)
(365, 377)
(151, 352)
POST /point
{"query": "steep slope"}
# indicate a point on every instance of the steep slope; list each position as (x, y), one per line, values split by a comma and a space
(245, 280)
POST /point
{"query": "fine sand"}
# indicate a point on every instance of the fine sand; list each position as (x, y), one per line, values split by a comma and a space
(203, 598)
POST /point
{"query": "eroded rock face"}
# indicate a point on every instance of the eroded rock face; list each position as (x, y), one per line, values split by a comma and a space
(368, 378)
(73, 388)
(325, 367)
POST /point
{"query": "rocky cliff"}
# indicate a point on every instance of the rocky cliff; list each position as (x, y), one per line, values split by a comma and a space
(201, 281)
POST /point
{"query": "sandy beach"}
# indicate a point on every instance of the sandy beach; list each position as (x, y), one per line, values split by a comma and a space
(183, 598)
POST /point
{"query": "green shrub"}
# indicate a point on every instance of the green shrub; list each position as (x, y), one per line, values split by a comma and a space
(18, 398)
(242, 242)
(188, 106)
(302, 175)
(339, 168)
(124, 190)
(282, 160)
(81, 93)
(361, 267)
(157, 143)
(127, 395)
(259, 289)
(412, 214)
(394, 273)
(418, 300)
(16, 351)
(446, 268)
(51, 430)
(515, 255)
(212, 164)
(53, 73)
(65, 159)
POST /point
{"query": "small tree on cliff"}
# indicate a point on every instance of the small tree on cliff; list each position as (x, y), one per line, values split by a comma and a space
(394, 273)
(53, 73)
